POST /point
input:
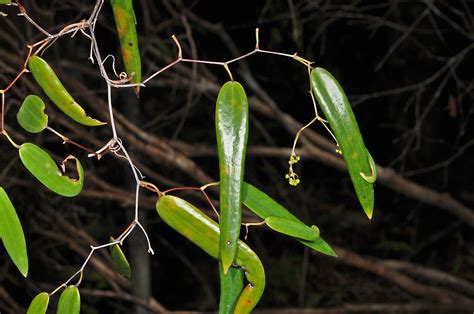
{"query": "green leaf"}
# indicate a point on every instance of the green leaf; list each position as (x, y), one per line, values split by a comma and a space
(120, 261)
(39, 305)
(69, 301)
(12, 234)
(193, 224)
(337, 109)
(232, 133)
(31, 115)
(43, 168)
(5, 1)
(264, 206)
(125, 22)
(54, 89)
(231, 286)
(292, 228)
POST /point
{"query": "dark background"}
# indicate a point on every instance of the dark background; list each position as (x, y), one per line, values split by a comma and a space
(407, 69)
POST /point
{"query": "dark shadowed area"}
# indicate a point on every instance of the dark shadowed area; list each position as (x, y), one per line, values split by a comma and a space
(406, 67)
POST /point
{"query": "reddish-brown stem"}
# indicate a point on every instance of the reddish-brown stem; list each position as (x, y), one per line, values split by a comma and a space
(80, 146)
(210, 202)
(194, 189)
(3, 111)
(184, 188)
(14, 81)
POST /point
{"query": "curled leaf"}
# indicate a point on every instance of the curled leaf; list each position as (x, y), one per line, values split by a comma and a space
(373, 170)
(31, 115)
(12, 234)
(39, 305)
(120, 261)
(69, 301)
(42, 166)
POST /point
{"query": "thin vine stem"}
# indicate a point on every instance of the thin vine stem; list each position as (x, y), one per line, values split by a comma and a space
(115, 145)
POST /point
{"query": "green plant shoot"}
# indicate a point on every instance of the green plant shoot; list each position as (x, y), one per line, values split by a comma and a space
(232, 133)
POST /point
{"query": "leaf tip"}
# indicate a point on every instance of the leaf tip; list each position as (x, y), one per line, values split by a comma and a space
(226, 264)
(136, 89)
(24, 272)
(369, 212)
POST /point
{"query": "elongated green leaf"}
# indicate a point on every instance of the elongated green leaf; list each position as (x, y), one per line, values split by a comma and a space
(337, 109)
(54, 89)
(69, 301)
(231, 286)
(204, 232)
(292, 228)
(12, 234)
(232, 132)
(264, 206)
(125, 22)
(121, 263)
(39, 305)
(31, 115)
(5, 1)
(43, 168)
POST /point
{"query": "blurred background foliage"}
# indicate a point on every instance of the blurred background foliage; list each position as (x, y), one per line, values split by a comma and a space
(407, 69)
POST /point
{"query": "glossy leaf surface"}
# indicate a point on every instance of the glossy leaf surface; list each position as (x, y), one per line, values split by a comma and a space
(125, 22)
(337, 109)
(39, 305)
(204, 232)
(231, 286)
(264, 206)
(292, 228)
(232, 133)
(44, 168)
(120, 261)
(54, 89)
(31, 115)
(69, 301)
(12, 234)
